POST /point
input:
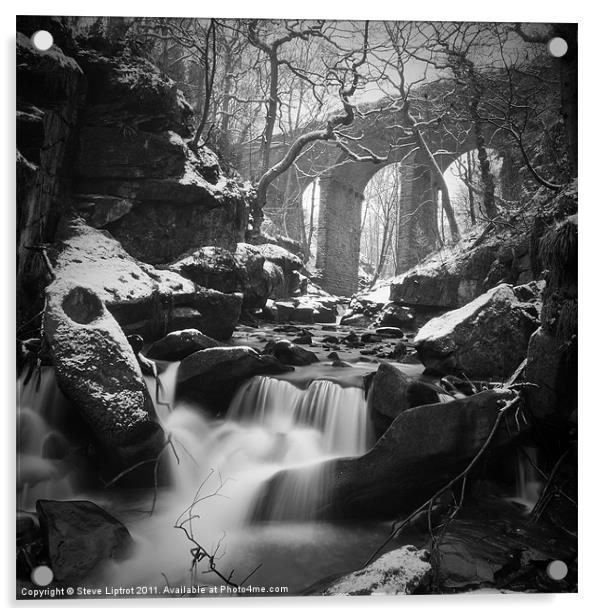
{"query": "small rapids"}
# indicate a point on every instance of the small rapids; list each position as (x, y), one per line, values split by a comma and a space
(528, 483)
(270, 425)
(45, 464)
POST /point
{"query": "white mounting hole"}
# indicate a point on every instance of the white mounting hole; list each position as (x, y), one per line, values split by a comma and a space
(557, 47)
(42, 40)
(42, 575)
(557, 570)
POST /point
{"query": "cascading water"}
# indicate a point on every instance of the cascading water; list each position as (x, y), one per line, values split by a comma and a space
(528, 481)
(307, 426)
(337, 413)
(43, 467)
(270, 425)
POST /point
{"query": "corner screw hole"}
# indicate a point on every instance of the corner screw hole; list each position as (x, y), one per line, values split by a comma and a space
(42, 40)
(557, 47)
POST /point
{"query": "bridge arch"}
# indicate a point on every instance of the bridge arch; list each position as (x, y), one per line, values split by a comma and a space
(342, 185)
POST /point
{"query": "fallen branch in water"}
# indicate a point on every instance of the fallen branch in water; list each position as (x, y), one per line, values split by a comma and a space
(398, 526)
(198, 552)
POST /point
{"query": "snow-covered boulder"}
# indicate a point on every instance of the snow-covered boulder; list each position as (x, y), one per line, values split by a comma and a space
(399, 572)
(144, 300)
(487, 338)
(97, 370)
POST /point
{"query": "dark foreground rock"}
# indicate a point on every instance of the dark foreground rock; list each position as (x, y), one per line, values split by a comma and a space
(487, 338)
(79, 536)
(399, 572)
(97, 370)
(423, 449)
(180, 344)
(497, 547)
(144, 300)
(214, 374)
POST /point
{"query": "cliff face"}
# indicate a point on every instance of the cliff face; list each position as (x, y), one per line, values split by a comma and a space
(102, 135)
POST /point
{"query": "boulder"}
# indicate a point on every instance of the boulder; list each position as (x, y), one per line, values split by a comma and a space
(303, 314)
(421, 451)
(285, 311)
(531, 291)
(395, 315)
(214, 374)
(436, 289)
(389, 332)
(496, 545)
(79, 537)
(361, 312)
(487, 338)
(144, 300)
(399, 572)
(179, 344)
(212, 267)
(551, 368)
(275, 282)
(257, 284)
(270, 311)
(392, 392)
(289, 353)
(285, 259)
(324, 308)
(97, 370)
(289, 264)
(355, 319)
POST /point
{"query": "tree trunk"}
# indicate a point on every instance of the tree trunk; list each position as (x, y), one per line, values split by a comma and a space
(486, 175)
(469, 176)
(441, 184)
(270, 118)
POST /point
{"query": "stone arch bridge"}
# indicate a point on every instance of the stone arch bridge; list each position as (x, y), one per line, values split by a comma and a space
(342, 184)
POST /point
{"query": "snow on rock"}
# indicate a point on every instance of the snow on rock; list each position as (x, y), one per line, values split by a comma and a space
(142, 299)
(97, 370)
(399, 572)
(486, 338)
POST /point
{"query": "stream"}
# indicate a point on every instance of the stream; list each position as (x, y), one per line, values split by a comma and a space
(220, 465)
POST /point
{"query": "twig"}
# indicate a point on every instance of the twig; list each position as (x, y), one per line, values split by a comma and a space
(198, 552)
(399, 526)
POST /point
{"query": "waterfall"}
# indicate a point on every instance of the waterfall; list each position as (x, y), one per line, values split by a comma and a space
(163, 389)
(528, 484)
(43, 466)
(222, 464)
(337, 413)
(307, 426)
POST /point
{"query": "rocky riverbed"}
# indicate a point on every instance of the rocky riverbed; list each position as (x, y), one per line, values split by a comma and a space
(168, 356)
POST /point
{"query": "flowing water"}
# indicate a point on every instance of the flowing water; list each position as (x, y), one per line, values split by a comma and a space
(218, 471)
(270, 425)
(528, 483)
(44, 463)
(222, 465)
